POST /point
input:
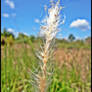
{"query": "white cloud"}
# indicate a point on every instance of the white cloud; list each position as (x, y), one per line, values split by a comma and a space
(81, 24)
(25, 33)
(10, 3)
(78, 38)
(6, 15)
(37, 20)
(16, 34)
(13, 31)
(10, 30)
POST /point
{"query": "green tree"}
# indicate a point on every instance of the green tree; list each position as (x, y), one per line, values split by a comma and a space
(7, 34)
(88, 40)
(22, 36)
(32, 38)
(71, 37)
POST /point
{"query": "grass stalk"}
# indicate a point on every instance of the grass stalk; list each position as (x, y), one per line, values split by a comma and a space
(49, 28)
(5, 59)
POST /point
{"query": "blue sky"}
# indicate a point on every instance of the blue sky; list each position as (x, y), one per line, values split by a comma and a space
(24, 15)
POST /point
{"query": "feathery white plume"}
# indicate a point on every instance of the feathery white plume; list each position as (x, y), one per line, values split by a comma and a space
(49, 26)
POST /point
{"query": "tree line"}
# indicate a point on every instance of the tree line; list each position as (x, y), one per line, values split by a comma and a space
(8, 37)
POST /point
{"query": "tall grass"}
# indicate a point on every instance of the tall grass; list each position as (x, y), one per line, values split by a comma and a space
(72, 69)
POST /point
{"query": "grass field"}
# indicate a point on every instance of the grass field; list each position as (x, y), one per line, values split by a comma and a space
(72, 70)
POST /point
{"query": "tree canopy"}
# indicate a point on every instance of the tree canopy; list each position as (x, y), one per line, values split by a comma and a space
(71, 37)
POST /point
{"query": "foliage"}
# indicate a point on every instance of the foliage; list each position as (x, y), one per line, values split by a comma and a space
(71, 37)
(22, 36)
(7, 34)
(88, 40)
(32, 38)
(7, 40)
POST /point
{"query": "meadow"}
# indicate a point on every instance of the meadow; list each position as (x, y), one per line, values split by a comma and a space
(72, 66)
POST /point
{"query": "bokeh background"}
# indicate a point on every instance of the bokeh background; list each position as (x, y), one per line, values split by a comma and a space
(20, 26)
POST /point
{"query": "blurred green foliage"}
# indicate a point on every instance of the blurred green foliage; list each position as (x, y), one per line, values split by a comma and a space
(71, 37)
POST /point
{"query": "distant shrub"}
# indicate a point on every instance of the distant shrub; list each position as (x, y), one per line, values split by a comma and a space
(22, 36)
(5, 33)
(88, 40)
(32, 38)
(71, 37)
(61, 41)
